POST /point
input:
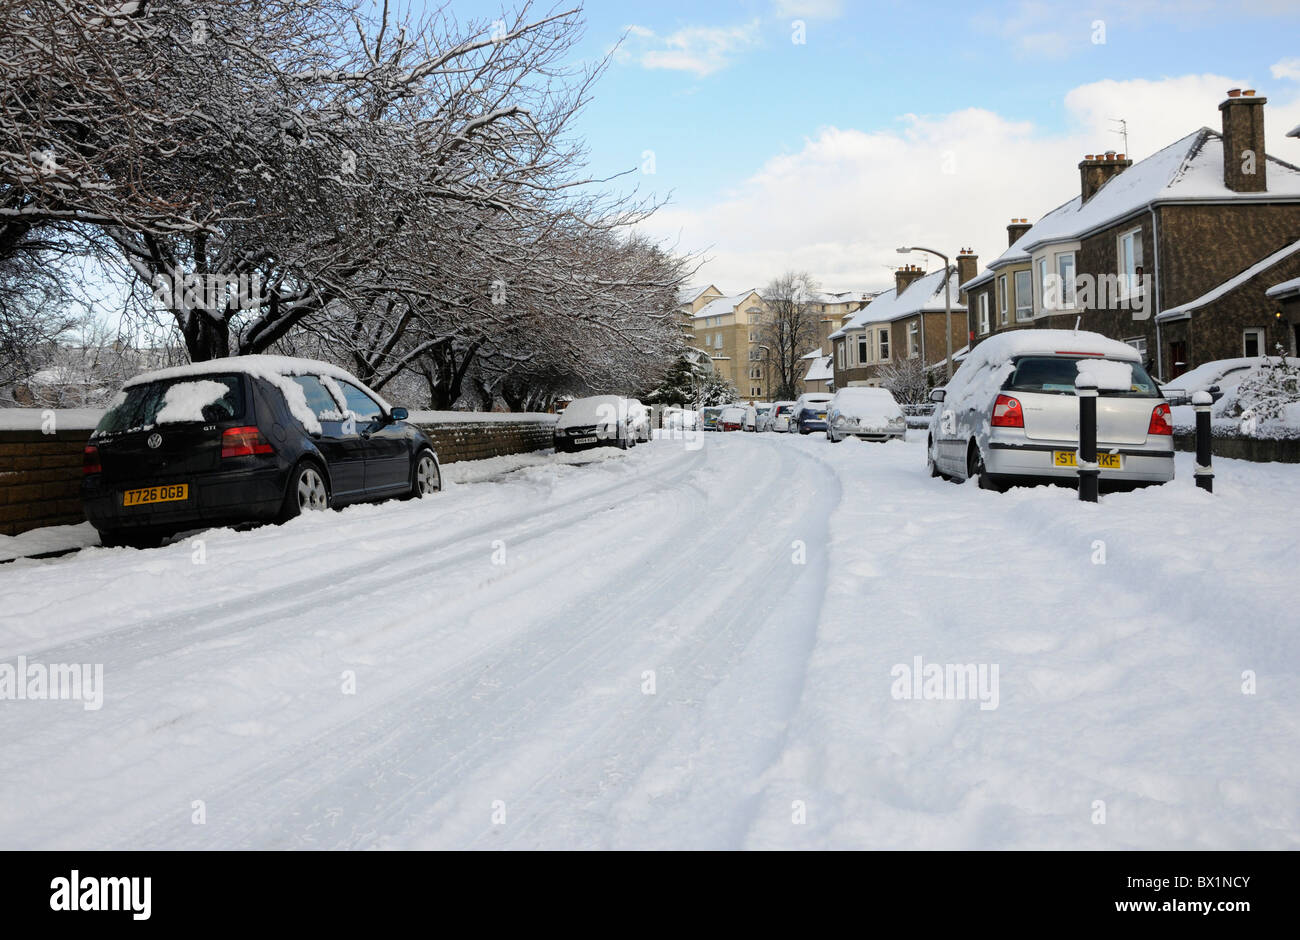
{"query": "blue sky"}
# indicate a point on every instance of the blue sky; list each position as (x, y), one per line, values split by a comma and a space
(724, 98)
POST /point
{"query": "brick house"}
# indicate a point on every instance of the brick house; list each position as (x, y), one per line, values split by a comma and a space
(1173, 254)
(907, 322)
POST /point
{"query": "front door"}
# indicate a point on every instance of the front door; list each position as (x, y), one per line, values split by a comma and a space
(388, 464)
(1177, 359)
(339, 441)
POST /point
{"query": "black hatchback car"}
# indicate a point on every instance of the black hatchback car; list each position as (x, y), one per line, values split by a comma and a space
(247, 439)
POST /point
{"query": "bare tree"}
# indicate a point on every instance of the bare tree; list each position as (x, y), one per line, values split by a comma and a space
(790, 328)
(907, 380)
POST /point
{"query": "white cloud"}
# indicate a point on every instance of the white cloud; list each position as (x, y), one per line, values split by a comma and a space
(843, 202)
(701, 50)
(1287, 68)
(808, 9)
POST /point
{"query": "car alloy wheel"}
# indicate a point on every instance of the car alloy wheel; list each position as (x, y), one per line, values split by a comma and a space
(427, 478)
(312, 495)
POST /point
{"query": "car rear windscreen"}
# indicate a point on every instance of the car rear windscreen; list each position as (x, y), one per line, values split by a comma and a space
(196, 398)
(1055, 375)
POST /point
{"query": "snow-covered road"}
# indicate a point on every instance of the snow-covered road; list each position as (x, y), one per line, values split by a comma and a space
(677, 647)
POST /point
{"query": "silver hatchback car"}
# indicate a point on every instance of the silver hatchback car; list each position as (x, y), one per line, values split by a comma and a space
(1010, 414)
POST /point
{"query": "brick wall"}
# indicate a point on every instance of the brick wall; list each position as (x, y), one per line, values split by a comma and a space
(40, 474)
(40, 479)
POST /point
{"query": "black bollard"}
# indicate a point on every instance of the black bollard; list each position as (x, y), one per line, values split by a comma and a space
(1204, 473)
(1086, 389)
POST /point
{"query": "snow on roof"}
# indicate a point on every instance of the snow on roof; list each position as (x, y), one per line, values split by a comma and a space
(688, 295)
(1286, 287)
(1183, 311)
(842, 296)
(722, 306)
(815, 354)
(923, 295)
(820, 371)
(1189, 169)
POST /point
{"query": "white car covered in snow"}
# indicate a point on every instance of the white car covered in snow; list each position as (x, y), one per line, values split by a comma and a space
(639, 415)
(1010, 414)
(681, 419)
(778, 419)
(601, 420)
(870, 414)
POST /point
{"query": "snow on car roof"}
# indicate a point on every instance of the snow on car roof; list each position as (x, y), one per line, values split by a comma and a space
(276, 370)
(593, 408)
(1003, 346)
(259, 366)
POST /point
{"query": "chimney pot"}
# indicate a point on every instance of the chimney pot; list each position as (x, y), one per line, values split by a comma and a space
(1248, 93)
(1234, 92)
(1097, 170)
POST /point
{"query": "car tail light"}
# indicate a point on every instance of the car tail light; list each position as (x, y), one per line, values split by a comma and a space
(1007, 413)
(243, 442)
(90, 460)
(1161, 420)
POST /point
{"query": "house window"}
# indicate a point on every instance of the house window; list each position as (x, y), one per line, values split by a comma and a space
(1130, 263)
(862, 349)
(1065, 273)
(1002, 300)
(1140, 344)
(984, 312)
(754, 355)
(717, 341)
(753, 337)
(1042, 283)
(883, 337)
(839, 354)
(913, 340)
(1024, 297)
(1252, 343)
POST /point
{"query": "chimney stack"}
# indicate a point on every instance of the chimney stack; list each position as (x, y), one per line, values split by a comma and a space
(905, 276)
(1016, 230)
(967, 266)
(1244, 166)
(1095, 170)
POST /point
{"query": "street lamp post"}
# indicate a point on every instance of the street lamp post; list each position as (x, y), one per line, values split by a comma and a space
(947, 298)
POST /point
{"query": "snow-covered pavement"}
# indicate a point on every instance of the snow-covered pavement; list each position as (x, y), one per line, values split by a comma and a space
(677, 647)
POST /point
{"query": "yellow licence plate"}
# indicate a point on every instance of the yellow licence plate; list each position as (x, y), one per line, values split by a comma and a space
(156, 494)
(1066, 458)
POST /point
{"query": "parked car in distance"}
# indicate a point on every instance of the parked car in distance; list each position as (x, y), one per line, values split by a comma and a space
(869, 414)
(245, 439)
(732, 418)
(810, 412)
(597, 421)
(681, 419)
(779, 417)
(1220, 378)
(639, 415)
(1010, 413)
(764, 411)
(709, 417)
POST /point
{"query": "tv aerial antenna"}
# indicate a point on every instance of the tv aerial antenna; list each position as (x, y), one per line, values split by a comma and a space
(1122, 131)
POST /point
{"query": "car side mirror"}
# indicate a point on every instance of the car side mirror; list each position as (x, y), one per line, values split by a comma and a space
(937, 394)
(399, 414)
